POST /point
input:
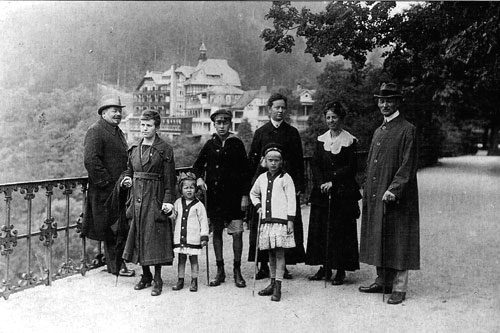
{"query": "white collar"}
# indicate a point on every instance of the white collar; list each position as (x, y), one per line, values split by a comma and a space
(391, 117)
(334, 145)
(276, 123)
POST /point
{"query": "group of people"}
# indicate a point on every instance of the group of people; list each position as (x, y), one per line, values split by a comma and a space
(144, 214)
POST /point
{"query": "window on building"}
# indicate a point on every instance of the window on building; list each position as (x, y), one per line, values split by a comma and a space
(228, 99)
(238, 114)
(262, 110)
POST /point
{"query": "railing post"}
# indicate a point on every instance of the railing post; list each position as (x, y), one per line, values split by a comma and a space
(8, 240)
(28, 278)
(84, 267)
(48, 233)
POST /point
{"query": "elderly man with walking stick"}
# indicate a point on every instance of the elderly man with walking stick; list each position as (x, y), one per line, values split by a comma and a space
(390, 219)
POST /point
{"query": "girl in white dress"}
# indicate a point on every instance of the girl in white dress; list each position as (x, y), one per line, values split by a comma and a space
(191, 230)
(273, 195)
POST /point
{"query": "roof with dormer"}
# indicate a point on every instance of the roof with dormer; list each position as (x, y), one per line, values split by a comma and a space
(214, 72)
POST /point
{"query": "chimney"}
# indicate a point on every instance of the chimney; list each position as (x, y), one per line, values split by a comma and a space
(173, 91)
(299, 86)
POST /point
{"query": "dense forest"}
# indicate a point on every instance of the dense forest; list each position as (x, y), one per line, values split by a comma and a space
(49, 45)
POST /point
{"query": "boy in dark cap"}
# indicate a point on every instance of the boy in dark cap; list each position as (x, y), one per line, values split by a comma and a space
(224, 163)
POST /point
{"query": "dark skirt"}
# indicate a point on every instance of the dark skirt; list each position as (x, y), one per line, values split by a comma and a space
(342, 241)
(292, 256)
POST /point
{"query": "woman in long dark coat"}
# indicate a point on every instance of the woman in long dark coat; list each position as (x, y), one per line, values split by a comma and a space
(150, 238)
(335, 194)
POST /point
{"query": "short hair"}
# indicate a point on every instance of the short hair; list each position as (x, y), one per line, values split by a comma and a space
(151, 115)
(336, 108)
(277, 97)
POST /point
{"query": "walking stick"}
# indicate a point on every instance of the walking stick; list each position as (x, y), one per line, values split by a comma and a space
(329, 215)
(384, 211)
(256, 253)
(206, 247)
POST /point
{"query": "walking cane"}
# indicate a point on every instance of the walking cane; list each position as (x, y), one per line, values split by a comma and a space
(206, 247)
(256, 253)
(329, 215)
(384, 211)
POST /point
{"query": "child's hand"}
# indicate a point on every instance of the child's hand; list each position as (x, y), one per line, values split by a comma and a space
(126, 182)
(290, 227)
(204, 243)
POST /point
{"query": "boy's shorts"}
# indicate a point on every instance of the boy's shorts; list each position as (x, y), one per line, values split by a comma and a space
(233, 226)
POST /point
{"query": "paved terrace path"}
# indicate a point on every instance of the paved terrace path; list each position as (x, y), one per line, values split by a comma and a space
(457, 290)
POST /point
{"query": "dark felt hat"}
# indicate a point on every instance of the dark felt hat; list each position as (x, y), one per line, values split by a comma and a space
(227, 113)
(272, 147)
(107, 101)
(389, 90)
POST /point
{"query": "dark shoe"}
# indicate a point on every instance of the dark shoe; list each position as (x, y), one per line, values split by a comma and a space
(194, 285)
(375, 288)
(238, 279)
(268, 291)
(157, 287)
(127, 272)
(320, 275)
(144, 282)
(339, 278)
(179, 285)
(219, 277)
(277, 292)
(263, 273)
(287, 275)
(397, 297)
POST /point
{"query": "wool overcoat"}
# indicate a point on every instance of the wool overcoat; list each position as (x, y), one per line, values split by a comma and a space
(150, 237)
(342, 208)
(227, 177)
(289, 138)
(391, 165)
(105, 158)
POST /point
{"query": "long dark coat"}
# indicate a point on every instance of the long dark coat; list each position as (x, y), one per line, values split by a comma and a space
(105, 158)
(392, 165)
(287, 136)
(227, 177)
(150, 238)
(340, 169)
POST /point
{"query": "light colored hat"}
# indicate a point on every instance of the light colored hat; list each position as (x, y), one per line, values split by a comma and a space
(109, 100)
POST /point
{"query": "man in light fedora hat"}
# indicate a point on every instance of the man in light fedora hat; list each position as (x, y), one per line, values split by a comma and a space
(390, 219)
(105, 158)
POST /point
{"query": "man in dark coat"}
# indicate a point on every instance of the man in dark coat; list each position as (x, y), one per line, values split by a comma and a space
(105, 158)
(223, 160)
(279, 131)
(391, 242)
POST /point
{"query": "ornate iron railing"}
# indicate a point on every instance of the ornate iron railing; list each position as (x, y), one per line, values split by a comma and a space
(50, 227)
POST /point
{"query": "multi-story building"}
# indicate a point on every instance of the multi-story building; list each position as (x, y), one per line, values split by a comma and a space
(306, 101)
(187, 92)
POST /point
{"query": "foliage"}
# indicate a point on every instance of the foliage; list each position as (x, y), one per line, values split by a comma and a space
(42, 135)
(117, 42)
(445, 53)
(186, 150)
(245, 133)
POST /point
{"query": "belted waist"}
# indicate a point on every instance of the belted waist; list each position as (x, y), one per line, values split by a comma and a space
(147, 175)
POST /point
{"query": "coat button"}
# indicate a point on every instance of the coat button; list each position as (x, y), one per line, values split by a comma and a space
(374, 178)
(378, 143)
(139, 200)
(374, 161)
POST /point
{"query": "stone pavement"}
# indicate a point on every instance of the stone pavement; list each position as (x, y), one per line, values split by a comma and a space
(457, 289)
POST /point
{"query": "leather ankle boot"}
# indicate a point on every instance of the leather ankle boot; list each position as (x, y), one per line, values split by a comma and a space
(157, 287)
(179, 285)
(277, 292)
(144, 282)
(268, 291)
(339, 278)
(194, 285)
(238, 278)
(220, 276)
(263, 272)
